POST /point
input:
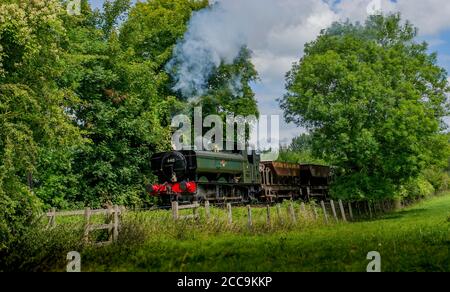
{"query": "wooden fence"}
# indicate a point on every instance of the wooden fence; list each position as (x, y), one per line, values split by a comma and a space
(327, 211)
(111, 224)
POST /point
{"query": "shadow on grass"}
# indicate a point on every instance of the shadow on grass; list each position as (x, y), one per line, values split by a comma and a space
(405, 213)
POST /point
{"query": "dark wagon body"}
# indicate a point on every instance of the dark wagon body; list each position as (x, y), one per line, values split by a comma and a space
(291, 180)
(315, 180)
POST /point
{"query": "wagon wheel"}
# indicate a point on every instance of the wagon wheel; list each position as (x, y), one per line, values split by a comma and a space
(261, 167)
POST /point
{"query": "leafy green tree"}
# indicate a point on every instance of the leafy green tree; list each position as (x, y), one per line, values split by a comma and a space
(301, 143)
(110, 111)
(373, 99)
(229, 90)
(154, 27)
(37, 136)
(116, 70)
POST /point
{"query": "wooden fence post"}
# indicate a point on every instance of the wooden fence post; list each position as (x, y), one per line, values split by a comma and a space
(341, 206)
(370, 209)
(268, 215)
(324, 211)
(195, 211)
(87, 219)
(52, 219)
(175, 210)
(292, 212)
(350, 210)
(230, 214)
(316, 215)
(334, 210)
(110, 220)
(116, 223)
(249, 213)
(279, 212)
(207, 210)
(302, 210)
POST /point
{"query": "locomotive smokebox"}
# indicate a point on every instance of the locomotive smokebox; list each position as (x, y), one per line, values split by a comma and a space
(174, 166)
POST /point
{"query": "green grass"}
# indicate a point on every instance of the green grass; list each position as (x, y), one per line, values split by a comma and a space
(414, 239)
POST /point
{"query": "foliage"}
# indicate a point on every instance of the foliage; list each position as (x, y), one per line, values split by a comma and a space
(125, 104)
(37, 135)
(373, 100)
(85, 101)
(229, 91)
(418, 188)
(300, 151)
(41, 250)
(439, 179)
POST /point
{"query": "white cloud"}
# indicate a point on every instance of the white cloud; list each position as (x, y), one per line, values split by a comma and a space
(435, 42)
(271, 67)
(358, 10)
(430, 16)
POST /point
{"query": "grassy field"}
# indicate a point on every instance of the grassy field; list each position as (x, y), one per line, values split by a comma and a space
(414, 239)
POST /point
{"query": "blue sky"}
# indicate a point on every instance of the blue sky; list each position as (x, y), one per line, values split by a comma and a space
(96, 3)
(286, 25)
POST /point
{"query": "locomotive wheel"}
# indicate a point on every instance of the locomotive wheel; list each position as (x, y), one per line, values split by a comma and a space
(200, 199)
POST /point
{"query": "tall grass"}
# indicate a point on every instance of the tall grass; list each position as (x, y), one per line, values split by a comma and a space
(413, 239)
(154, 241)
(41, 249)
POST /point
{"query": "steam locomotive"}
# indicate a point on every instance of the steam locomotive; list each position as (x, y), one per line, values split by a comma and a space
(237, 176)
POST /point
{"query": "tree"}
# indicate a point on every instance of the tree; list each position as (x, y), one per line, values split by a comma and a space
(229, 90)
(300, 151)
(154, 27)
(373, 100)
(301, 143)
(151, 33)
(37, 136)
(125, 104)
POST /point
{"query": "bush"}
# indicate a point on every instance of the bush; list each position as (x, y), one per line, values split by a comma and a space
(361, 187)
(418, 188)
(290, 156)
(39, 249)
(438, 178)
(17, 206)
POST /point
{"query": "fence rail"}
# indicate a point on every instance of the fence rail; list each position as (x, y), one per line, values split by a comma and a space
(176, 208)
(112, 222)
(328, 212)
